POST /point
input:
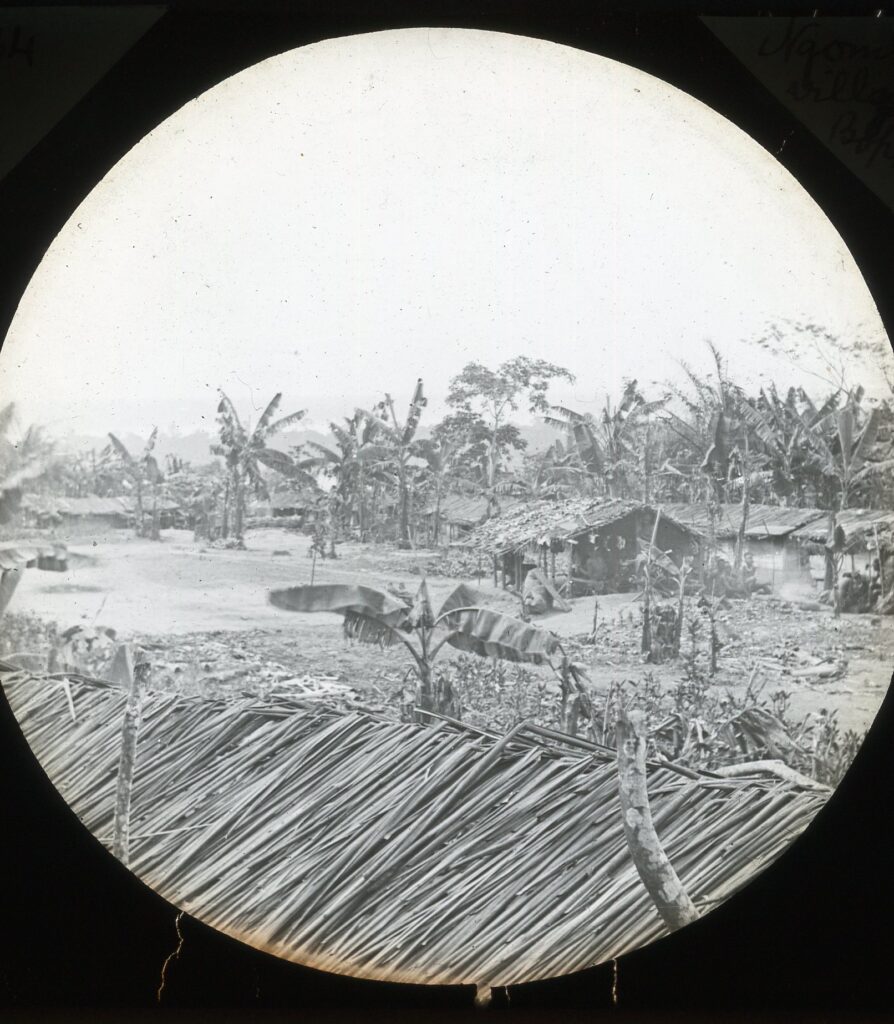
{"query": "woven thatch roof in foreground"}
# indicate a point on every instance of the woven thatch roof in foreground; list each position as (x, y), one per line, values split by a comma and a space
(391, 850)
(543, 522)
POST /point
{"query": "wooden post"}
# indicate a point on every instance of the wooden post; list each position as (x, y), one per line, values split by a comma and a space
(646, 644)
(651, 862)
(9, 580)
(123, 671)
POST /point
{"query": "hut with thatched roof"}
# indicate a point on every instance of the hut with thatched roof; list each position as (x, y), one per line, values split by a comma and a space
(352, 842)
(592, 543)
(455, 516)
(770, 535)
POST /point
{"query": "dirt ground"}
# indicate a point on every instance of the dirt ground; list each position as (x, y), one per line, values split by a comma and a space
(206, 610)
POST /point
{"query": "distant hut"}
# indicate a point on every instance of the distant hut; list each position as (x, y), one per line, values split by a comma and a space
(456, 516)
(770, 536)
(591, 543)
(863, 530)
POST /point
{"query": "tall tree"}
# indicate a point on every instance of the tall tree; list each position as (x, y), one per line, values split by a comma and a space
(616, 447)
(22, 462)
(495, 394)
(140, 471)
(244, 451)
(441, 458)
(344, 465)
(394, 450)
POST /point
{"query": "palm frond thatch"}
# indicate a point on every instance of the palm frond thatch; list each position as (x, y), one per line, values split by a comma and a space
(389, 850)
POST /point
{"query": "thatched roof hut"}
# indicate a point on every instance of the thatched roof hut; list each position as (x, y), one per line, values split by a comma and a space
(860, 526)
(765, 522)
(423, 854)
(592, 541)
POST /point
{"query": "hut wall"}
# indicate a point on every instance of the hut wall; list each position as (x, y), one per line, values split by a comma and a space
(779, 561)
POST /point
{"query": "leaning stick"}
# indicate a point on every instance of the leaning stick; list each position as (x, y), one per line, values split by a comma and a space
(652, 864)
(123, 671)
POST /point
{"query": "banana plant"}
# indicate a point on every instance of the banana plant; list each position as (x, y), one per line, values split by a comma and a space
(140, 471)
(244, 451)
(374, 616)
(394, 449)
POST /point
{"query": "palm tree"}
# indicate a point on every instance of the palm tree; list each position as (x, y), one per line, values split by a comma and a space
(244, 452)
(141, 471)
(441, 461)
(22, 462)
(616, 446)
(393, 450)
(555, 472)
(346, 465)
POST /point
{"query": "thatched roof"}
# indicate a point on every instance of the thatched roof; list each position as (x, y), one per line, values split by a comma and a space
(28, 556)
(857, 524)
(468, 509)
(764, 521)
(93, 505)
(424, 854)
(544, 522)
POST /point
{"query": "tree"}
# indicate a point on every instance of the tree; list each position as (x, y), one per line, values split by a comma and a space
(345, 466)
(841, 439)
(245, 451)
(394, 451)
(555, 472)
(441, 459)
(22, 463)
(139, 472)
(493, 394)
(615, 447)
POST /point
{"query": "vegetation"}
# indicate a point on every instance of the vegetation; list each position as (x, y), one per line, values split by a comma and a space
(244, 451)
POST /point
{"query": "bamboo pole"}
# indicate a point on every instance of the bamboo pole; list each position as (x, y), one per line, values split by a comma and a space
(651, 862)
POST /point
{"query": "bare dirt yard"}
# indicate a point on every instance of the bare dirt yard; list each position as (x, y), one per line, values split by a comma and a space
(202, 617)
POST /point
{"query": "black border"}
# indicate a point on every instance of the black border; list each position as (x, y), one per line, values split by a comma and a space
(80, 936)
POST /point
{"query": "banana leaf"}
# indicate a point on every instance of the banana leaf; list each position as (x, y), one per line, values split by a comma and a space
(492, 635)
(342, 599)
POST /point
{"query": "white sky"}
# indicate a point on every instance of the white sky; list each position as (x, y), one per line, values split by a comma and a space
(343, 218)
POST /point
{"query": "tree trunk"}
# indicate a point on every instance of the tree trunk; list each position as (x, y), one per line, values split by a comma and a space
(829, 577)
(436, 535)
(646, 643)
(651, 862)
(225, 515)
(140, 528)
(154, 528)
(746, 498)
(404, 513)
(238, 507)
(426, 693)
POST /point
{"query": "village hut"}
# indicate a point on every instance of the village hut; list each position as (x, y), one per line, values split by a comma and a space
(868, 534)
(590, 543)
(456, 515)
(350, 842)
(290, 503)
(779, 559)
(16, 557)
(92, 513)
